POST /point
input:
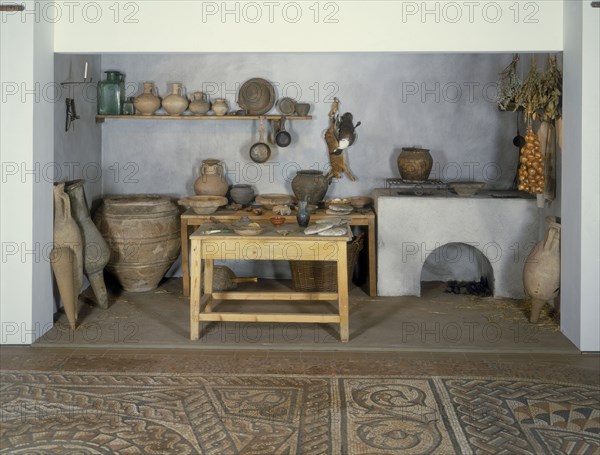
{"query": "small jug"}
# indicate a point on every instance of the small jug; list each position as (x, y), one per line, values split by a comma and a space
(176, 103)
(148, 102)
(200, 104)
(220, 106)
(303, 215)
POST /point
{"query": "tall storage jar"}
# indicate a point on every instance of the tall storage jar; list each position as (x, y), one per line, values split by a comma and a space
(143, 234)
(111, 93)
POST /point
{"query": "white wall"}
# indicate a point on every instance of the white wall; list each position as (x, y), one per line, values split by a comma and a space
(26, 122)
(580, 292)
(348, 25)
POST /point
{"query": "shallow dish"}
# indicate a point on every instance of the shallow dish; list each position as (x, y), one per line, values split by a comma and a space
(248, 230)
(256, 96)
(272, 199)
(286, 106)
(277, 220)
(466, 188)
(202, 204)
(360, 202)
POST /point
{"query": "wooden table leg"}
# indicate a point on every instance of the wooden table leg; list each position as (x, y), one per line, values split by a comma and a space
(342, 284)
(208, 282)
(195, 291)
(185, 257)
(372, 245)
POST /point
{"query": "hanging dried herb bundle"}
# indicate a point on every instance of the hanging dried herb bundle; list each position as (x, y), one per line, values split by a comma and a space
(529, 96)
(551, 91)
(509, 86)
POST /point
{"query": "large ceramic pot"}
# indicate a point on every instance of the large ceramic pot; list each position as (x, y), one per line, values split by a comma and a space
(142, 232)
(95, 249)
(310, 185)
(176, 103)
(415, 164)
(541, 274)
(67, 255)
(242, 194)
(148, 102)
(211, 181)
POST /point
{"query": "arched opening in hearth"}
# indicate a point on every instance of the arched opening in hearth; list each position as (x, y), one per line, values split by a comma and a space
(464, 268)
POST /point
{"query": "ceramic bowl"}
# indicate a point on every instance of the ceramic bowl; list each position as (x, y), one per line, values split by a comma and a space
(248, 230)
(302, 109)
(466, 188)
(203, 205)
(277, 220)
(360, 202)
(271, 200)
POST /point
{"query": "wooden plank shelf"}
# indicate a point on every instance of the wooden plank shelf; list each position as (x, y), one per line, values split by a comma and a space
(102, 118)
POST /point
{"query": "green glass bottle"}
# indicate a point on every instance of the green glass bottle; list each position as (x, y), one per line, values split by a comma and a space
(111, 94)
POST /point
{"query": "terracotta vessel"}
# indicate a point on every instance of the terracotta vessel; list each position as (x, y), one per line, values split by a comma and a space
(148, 102)
(541, 274)
(220, 107)
(143, 234)
(95, 249)
(200, 104)
(67, 255)
(310, 185)
(176, 103)
(242, 194)
(414, 164)
(212, 179)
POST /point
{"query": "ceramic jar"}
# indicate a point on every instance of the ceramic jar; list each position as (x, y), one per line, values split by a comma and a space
(242, 194)
(541, 274)
(200, 104)
(311, 185)
(95, 249)
(148, 102)
(143, 234)
(176, 103)
(415, 164)
(67, 255)
(220, 107)
(303, 215)
(212, 179)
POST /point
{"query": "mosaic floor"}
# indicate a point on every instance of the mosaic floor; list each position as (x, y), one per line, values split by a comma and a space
(188, 413)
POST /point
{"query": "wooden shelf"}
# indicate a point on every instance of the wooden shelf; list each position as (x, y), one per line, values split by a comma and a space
(102, 118)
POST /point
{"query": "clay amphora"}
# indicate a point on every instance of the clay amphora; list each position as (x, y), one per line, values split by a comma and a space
(67, 237)
(311, 185)
(211, 181)
(95, 249)
(148, 102)
(541, 274)
(415, 164)
(200, 104)
(176, 103)
(143, 234)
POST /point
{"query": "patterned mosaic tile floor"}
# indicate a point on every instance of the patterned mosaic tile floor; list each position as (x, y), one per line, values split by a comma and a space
(51, 412)
(100, 401)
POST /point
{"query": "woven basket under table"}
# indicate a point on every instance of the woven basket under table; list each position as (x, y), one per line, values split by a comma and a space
(321, 276)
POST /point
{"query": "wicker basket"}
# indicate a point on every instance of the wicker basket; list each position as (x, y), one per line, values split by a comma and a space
(321, 276)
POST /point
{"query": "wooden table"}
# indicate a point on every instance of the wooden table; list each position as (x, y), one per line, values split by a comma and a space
(272, 247)
(189, 220)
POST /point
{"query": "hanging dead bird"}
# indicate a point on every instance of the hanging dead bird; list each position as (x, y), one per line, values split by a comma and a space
(346, 133)
(337, 159)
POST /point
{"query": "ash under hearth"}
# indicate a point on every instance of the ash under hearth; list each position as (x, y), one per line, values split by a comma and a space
(479, 288)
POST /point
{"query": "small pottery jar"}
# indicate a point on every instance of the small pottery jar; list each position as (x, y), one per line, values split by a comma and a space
(148, 102)
(220, 107)
(242, 194)
(200, 104)
(541, 274)
(311, 185)
(211, 181)
(176, 103)
(95, 249)
(414, 164)
(303, 215)
(67, 254)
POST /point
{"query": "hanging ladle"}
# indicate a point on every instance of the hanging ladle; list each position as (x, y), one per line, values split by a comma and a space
(519, 141)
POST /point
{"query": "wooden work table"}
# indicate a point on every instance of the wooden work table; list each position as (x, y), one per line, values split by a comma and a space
(270, 246)
(190, 221)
